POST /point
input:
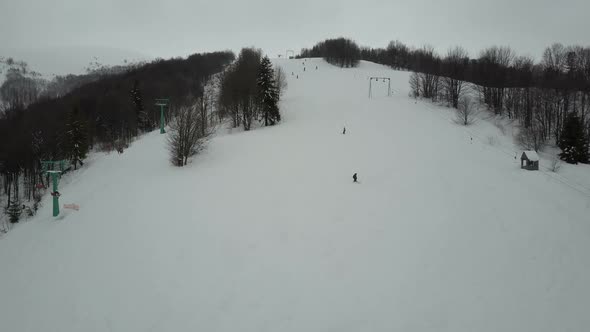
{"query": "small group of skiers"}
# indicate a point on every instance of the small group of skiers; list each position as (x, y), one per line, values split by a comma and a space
(354, 176)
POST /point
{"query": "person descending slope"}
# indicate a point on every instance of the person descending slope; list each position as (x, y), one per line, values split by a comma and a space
(344, 131)
(354, 178)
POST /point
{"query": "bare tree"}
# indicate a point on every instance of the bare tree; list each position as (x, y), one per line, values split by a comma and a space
(496, 59)
(555, 164)
(414, 85)
(452, 85)
(531, 138)
(554, 57)
(465, 111)
(429, 80)
(188, 132)
(281, 80)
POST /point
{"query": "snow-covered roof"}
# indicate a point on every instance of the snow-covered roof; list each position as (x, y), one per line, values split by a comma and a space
(531, 155)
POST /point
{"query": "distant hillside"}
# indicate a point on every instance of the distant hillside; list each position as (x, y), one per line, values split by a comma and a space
(53, 61)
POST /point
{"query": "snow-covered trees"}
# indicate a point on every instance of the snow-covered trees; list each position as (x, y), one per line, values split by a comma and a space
(573, 142)
(268, 96)
(188, 132)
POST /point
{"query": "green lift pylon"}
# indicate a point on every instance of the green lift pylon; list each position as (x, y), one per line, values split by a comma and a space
(54, 168)
(55, 193)
(162, 102)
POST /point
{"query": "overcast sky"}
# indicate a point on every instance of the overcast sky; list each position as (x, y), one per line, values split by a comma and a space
(168, 28)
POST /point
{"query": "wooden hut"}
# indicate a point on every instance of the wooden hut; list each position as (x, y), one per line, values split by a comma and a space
(529, 160)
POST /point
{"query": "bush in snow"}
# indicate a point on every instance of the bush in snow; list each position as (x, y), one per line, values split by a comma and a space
(492, 140)
(414, 85)
(465, 111)
(555, 164)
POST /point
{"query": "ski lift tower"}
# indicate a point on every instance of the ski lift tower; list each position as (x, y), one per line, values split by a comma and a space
(380, 78)
(54, 169)
(162, 102)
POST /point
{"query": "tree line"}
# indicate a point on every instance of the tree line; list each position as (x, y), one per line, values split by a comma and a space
(341, 52)
(105, 113)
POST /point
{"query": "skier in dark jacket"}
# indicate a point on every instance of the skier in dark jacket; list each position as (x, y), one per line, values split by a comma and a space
(354, 178)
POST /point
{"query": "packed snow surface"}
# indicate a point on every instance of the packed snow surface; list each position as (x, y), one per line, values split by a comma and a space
(266, 231)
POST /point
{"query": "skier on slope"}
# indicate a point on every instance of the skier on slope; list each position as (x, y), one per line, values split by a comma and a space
(354, 178)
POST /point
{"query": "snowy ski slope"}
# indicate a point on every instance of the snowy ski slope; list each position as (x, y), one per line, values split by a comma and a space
(265, 230)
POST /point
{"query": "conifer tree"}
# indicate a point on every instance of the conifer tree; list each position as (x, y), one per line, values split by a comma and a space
(75, 140)
(268, 95)
(573, 142)
(14, 210)
(143, 120)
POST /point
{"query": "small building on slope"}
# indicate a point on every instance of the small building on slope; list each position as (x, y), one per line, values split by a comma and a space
(529, 160)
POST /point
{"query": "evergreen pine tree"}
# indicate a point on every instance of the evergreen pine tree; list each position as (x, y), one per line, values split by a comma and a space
(75, 140)
(573, 142)
(143, 120)
(268, 95)
(14, 210)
